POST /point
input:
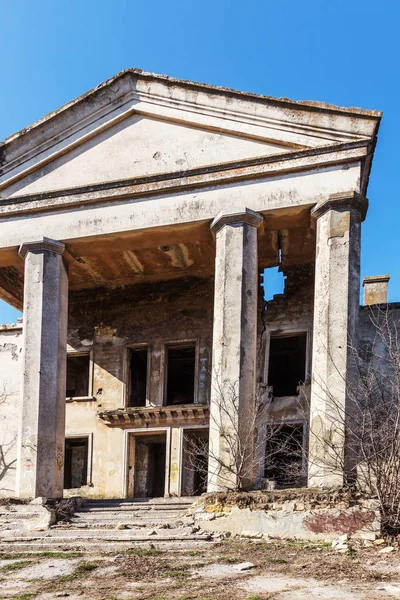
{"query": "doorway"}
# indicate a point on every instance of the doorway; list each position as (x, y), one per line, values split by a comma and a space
(149, 458)
(76, 462)
(195, 462)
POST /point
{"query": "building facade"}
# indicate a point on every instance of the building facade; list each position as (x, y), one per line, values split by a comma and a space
(136, 224)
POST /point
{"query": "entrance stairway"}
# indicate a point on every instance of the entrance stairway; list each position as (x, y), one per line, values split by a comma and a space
(114, 522)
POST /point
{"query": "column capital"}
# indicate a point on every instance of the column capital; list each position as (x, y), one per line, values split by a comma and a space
(342, 201)
(43, 245)
(247, 216)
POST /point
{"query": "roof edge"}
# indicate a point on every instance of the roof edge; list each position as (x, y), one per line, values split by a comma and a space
(303, 104)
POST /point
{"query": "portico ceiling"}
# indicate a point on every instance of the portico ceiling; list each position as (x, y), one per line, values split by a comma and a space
(285, 238)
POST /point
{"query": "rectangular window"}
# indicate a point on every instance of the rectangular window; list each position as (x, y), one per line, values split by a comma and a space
(76, 462)
(138, 377)
(78, 368)
(181, 366)
(284, 454)
(287, 363)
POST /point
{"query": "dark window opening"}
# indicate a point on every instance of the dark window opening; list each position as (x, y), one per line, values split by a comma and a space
(75, 462)
(287, 364)
(180, 375)
(77, 376)
(138, 377)
(284, 455)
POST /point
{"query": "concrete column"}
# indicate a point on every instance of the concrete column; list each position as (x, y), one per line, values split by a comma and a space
(42, 426)
(336, 309)
(175, 468)
(234, 344)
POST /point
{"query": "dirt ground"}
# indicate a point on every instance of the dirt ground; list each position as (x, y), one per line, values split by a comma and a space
(281, 571)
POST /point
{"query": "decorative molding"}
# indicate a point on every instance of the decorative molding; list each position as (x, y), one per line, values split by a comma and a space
(342, 201)
(248, 217)
(168, 183)
(44, 245)
(157, 416)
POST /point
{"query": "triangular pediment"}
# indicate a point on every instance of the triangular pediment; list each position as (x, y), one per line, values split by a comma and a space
(140, 146)
(138, 125)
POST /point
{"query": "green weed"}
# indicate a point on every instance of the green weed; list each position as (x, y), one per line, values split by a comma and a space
(144, 552)
(16, 565)
(276, 561)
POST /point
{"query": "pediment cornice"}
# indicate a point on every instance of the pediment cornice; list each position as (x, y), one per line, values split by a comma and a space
(293, 125)
(277, 165)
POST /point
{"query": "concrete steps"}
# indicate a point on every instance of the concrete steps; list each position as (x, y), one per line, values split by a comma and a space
(131, 514)
(116, 522)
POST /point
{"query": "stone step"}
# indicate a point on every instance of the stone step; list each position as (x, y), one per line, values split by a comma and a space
(153, 501)
(120, 514)
(141, 508)
(106, 536)
(128, 522)
(137, 505)
(71, 530)
(18, 517)
(131, 521)
(20, 514)
(108, 525)
(102, 546)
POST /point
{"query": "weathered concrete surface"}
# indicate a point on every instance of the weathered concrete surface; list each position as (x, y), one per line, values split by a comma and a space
(108, 323)
(234, 344)
(42, 423)
(22, 519)
(132, 93)
(336, 308)
(293, 520)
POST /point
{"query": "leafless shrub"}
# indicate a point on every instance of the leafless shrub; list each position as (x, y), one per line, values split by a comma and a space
(368, 427)
(7, 462)
(249, 443)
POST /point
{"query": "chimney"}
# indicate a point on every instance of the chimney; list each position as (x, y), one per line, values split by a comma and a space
(376, 289)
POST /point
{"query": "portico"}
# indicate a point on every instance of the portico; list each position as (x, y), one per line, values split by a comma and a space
(134, 235)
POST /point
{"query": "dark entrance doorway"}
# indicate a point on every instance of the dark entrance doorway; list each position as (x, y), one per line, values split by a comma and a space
(195, 462)
(76, 462)
(149, 466)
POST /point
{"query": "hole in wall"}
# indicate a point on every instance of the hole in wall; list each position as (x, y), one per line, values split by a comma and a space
(273, 282)
(8, 314)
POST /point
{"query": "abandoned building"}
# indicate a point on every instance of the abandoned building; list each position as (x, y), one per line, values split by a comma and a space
(136, 225)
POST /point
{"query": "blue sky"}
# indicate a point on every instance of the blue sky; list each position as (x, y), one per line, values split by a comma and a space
(337, 51)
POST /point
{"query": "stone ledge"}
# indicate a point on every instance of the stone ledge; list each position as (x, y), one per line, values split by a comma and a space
(157, 415)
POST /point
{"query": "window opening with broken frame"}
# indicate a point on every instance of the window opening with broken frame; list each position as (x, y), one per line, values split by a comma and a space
(138, 366)
(284, 453)
(287, 363)
(78, 373)
(180, 374)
